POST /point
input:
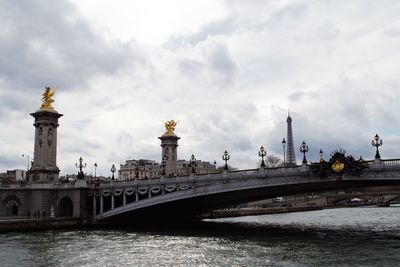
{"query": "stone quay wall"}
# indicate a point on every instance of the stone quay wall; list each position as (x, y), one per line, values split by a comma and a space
(42, 201)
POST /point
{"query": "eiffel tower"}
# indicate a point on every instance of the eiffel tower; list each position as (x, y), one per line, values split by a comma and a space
(291, 157)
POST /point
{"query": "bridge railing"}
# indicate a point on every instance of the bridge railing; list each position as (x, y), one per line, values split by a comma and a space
(391, 162)
(210, 177)
(382, 163)
(202, 178)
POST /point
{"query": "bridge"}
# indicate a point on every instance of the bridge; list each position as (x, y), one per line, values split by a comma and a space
(185, 197)
(44, 195)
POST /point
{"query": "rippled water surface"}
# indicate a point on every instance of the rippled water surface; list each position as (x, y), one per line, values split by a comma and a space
(338, 237)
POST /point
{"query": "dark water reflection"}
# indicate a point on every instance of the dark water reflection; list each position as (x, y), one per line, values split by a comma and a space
(341, 237)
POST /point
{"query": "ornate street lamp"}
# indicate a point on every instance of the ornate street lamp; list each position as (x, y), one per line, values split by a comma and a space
(95, 168)
(163, 164)
(321, 154)
(262, 153)
(113, 169)
(377, 142)
(193, 164)
(304, 150)
(284, 150)
(226, 157)
(80, 166)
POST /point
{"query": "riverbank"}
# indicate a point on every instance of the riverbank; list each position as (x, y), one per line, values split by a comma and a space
(255, 211)
(23, 224)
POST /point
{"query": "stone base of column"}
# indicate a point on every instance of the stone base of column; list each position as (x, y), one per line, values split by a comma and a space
(169, 144)
(43, 175)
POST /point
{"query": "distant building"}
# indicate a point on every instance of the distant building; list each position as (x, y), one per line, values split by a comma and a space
(72, 178)
(12, 176)
(184, 167)
(140, 169)
(145, 168)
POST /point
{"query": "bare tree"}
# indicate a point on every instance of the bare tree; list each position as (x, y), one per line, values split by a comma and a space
(272, 161)
(222, 168)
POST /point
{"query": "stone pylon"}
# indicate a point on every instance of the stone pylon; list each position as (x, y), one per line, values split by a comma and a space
(169, 152)
(44, 168)
(290, 155)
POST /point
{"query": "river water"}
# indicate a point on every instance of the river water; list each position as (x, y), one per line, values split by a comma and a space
(366, 236)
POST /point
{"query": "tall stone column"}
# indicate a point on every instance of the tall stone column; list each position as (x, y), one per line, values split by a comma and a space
(169, 145)
(44, 168)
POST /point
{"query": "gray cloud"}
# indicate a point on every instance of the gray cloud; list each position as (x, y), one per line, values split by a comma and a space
(53, 45)
(190, 67)
(296, 96)
(211, 64)
(225, 26)
(7, 163)
(222, 62)
(230, 83)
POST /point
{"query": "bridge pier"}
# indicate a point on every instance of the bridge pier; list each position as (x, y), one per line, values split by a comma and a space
(123, 199)
(112, 201)
(136, 196)
(94, 206)
(101, 204)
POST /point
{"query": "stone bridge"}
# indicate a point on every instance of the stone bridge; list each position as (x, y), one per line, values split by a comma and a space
(186, 197)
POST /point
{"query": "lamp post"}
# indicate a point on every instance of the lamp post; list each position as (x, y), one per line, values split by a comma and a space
(377, 142)
(321, 154)
(226, 157)
(304, 150)
(284, 150)
(113, 169)
(163, 164)
(27, 156)
(80, 166)
(215, 165)
(95, 168)
(193, 164)
(262, 153)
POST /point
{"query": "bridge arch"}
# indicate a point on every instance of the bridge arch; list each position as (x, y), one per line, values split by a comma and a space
(393, 198)
(211, 194)
(65, 207)
(12, 205)
(195, 195)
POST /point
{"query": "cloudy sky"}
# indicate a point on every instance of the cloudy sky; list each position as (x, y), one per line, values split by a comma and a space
(229, 71)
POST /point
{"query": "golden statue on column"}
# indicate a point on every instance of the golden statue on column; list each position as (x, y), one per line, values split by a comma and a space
(47, 99)
(170, 127)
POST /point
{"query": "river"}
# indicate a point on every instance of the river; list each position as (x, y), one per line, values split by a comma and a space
(365, 236)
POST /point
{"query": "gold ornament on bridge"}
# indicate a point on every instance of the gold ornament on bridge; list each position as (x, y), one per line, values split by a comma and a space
(47, 99)
(170, 127)
(337, 166)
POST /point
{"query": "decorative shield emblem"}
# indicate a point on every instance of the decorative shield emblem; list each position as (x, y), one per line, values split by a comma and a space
(338, 166)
